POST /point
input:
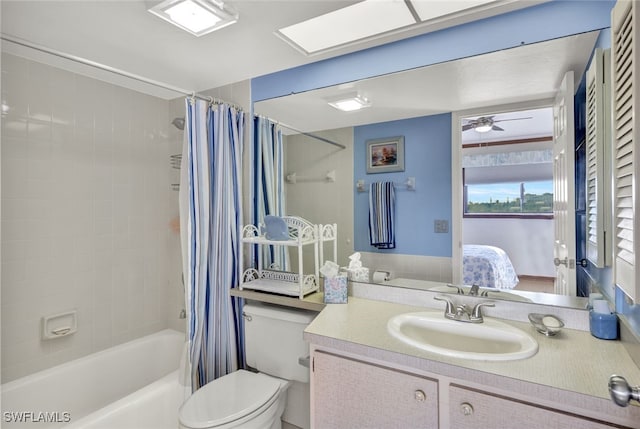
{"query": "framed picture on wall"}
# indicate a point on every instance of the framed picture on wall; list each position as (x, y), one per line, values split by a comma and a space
(385, 155)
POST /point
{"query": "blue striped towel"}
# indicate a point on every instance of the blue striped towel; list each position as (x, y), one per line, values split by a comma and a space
(382, 213)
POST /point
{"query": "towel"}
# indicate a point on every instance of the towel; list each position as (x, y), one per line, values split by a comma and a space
(382, 213)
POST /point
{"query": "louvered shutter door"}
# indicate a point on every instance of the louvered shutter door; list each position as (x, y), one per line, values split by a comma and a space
(598, 170)
(624, 47)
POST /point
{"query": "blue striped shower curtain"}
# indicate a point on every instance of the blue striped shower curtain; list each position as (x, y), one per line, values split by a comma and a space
(211, 219)
(267, 185)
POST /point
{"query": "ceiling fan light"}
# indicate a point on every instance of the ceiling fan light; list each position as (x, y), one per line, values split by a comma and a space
(483, 128)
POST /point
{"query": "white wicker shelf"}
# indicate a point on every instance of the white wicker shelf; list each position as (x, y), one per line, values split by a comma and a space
(279, 282)
(302, 234)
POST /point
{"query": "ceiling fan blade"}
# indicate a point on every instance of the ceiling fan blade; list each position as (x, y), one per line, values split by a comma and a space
(468, 126)
(497, 128)
(512, 119)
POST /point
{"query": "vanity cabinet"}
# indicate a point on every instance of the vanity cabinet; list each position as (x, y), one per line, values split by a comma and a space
(348, 393)
(472, 409)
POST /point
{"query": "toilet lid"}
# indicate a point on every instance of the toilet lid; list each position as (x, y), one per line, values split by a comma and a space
(228, 398)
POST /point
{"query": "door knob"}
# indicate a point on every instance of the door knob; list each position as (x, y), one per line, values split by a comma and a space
(620, 391)
(557, 261)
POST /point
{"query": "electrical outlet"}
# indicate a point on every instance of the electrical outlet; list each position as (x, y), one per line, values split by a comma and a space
(440, 226)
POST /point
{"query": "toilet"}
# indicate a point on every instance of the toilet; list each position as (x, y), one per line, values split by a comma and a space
(255, 400)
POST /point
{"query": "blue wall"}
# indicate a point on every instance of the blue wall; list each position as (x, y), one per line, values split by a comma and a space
(427, 146)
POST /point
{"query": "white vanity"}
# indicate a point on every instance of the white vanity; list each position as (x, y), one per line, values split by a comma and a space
(363, 377)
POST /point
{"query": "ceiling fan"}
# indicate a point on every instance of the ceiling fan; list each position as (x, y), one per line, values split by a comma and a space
(486, 123)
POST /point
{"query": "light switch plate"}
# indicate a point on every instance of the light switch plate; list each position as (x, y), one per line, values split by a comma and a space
(440, 226)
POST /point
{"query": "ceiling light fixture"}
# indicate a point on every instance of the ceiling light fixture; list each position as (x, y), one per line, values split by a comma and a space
(483, 125)
(482, 128)
(349, 102)
(198, 17)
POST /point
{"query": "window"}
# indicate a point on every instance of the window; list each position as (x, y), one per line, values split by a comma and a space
(508, 198)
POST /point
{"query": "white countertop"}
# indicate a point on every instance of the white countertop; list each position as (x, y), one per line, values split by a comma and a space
(573, 361)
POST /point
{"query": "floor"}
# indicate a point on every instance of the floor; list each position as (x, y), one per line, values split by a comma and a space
(535, 284)
(286, 425)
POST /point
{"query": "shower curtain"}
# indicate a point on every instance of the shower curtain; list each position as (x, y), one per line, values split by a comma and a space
(267, 186)
(211, 219)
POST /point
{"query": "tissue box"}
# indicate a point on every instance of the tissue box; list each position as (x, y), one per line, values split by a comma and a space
(358, 274)
(335, 289)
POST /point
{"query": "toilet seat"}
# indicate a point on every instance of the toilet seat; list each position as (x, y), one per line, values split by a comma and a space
(237, 396)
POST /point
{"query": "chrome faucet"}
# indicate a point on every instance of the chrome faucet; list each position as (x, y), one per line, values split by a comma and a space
(462, 312)
(474, 290)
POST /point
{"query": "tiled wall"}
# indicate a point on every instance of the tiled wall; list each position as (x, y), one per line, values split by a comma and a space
(316, 199)
(432, 268)
(86, 209)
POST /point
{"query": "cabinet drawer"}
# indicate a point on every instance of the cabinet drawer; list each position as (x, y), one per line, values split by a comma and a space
(472, 409)
(352, 394)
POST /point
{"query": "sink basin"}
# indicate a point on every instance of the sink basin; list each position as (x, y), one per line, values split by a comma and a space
(491, 340)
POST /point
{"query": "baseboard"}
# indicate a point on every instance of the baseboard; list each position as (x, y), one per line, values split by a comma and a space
(541, 278)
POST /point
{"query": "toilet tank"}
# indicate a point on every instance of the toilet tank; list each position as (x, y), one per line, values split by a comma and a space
(273, 340)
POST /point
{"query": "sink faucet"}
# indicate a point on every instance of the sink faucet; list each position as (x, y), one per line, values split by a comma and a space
(462, 312)
(474, 289)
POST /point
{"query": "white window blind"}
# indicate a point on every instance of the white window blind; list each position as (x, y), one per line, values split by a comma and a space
(598, 170)
(624, 46)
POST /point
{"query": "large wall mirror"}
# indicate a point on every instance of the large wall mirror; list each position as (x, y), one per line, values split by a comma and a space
(430, 107)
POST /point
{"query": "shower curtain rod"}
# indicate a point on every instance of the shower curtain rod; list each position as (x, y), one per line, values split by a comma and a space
(313, 136)
(84, 61)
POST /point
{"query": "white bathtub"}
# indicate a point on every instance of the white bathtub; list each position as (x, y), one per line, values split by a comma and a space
(132, 385)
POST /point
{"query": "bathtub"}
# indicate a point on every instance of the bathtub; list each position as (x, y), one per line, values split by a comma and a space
(132, 385)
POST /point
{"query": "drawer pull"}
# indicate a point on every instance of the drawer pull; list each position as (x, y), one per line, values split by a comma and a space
(466, 408)
(420, 396)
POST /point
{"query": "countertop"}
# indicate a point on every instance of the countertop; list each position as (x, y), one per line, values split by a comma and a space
(312, 301)
(573, 361)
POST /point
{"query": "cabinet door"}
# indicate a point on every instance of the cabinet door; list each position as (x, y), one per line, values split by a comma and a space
(626, 168)
(353, 394)
(473, 409)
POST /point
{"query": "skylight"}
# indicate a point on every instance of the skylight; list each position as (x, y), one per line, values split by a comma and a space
(368, 19)
(355, 22)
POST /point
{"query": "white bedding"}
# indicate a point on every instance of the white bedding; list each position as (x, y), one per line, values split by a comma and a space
(487, 266)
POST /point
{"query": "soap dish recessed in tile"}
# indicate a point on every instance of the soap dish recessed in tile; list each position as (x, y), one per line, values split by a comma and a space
(546, 324)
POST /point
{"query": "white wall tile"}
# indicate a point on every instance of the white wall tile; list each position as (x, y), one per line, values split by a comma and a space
(85, 204)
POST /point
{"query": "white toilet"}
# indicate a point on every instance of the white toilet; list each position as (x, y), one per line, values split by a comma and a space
(248, 400)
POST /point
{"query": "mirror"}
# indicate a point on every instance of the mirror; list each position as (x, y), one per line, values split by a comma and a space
(322, 177)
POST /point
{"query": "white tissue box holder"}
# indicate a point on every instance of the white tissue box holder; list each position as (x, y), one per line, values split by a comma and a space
(335, 289)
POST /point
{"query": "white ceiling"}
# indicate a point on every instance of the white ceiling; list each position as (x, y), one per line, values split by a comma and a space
(531, 72)
(123, 35)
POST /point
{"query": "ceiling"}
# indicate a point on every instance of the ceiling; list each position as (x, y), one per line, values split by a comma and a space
(123, 35)
(531, 72)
